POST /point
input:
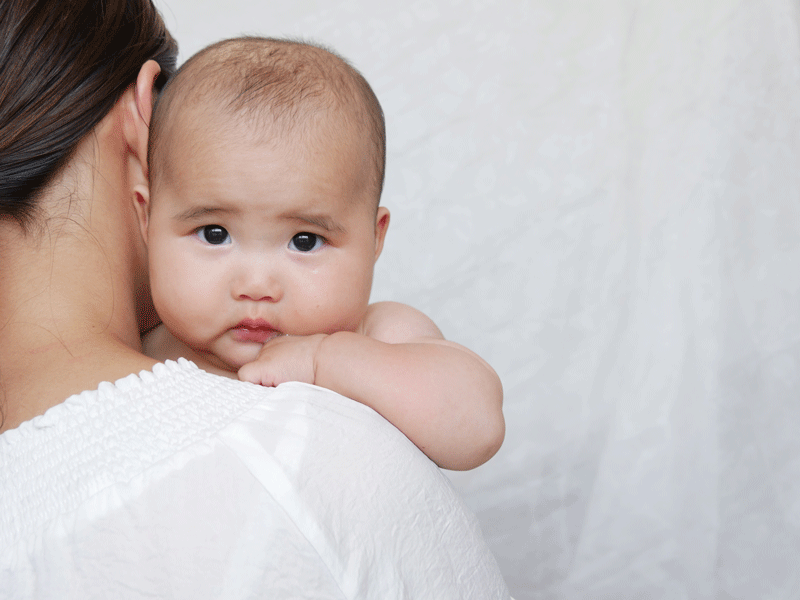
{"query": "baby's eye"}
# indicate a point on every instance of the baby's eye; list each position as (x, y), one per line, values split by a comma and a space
(306, 242)
(214, 234)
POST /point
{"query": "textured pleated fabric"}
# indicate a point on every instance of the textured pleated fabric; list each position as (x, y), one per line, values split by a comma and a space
(180, 484)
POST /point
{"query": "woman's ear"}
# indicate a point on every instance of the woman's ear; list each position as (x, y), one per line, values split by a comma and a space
(144, 97)
(138, 111)
(381, 225)
(144, 93)
(138, 105)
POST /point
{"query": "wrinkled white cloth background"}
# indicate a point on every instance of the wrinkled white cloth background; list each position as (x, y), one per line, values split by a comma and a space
(603, 200)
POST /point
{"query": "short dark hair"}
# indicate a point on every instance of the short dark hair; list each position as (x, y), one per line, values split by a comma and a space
(268, 79)
(63, 64)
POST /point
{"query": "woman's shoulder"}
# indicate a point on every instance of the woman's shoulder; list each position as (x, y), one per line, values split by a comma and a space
(112, 434)
(149, 425)
(184, 459)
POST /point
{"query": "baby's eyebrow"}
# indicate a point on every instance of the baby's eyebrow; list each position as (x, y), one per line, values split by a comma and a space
(199, 212)
(321, 221)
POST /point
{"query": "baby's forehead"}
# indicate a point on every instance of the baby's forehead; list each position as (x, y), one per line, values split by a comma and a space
(212, 121)
(209, 137)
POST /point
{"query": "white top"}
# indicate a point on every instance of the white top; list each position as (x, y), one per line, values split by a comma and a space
(178, 483)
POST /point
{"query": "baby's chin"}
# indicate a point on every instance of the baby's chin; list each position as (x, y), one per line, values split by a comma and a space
(233, 360)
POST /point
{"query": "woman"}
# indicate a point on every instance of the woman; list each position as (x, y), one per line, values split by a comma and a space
(172, 482)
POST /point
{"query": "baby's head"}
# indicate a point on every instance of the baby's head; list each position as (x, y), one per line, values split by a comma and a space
(271, 87)
(266, 168)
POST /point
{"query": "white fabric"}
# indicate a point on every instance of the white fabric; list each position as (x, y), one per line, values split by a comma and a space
(182, 484)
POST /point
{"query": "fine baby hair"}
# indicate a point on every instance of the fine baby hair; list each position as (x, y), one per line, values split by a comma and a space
(268, 83)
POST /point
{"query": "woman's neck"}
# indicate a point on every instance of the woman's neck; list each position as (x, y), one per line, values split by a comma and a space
(66, 324)
(67, 313)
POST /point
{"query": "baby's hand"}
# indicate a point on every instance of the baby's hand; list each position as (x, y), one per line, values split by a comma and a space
(284, 358)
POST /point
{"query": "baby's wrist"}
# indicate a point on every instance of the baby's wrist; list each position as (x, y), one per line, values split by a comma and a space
(318, 356)
(330, 351)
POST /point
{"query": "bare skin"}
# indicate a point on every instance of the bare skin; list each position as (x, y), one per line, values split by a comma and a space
(444, 397)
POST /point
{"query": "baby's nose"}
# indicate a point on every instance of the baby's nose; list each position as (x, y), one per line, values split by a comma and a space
(258, 285)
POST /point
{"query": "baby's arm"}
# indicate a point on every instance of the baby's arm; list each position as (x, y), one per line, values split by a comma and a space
(443, 397)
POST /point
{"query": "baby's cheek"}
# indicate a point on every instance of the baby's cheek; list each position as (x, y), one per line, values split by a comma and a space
(157, 293)
(170, 298)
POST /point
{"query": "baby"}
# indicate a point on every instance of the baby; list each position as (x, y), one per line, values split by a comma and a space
(263, 225)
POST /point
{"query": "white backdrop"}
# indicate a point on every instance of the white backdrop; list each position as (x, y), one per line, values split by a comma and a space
(602, 198)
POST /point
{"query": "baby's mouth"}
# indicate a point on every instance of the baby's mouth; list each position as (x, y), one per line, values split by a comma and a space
(254, 330)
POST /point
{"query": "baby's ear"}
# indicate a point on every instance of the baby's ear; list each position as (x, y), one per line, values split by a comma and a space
(141, 200)
(381, 225)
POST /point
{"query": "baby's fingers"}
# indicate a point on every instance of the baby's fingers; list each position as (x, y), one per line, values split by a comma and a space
(257, 372)
(285, 358)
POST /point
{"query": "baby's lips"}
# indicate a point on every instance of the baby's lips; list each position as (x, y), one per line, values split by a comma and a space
(254, 334)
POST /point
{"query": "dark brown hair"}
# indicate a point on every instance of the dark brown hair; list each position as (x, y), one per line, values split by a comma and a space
(63, 65)
(268, 80)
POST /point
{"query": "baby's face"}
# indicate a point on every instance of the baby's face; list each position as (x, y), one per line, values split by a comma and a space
(251, 240)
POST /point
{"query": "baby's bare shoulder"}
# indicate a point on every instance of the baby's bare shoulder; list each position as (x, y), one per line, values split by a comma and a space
(395, 323)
